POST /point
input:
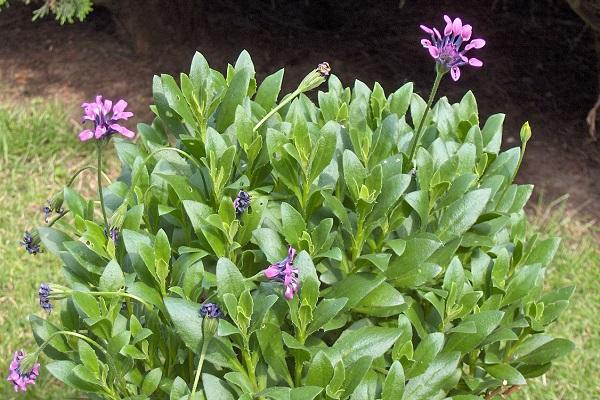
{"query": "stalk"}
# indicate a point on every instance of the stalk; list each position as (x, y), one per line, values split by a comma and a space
(99, 175)
(440, 72)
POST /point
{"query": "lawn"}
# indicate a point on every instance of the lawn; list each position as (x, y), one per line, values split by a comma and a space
(39, 150)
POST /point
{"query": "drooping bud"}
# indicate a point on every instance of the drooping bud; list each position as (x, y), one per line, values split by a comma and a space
(315, 78)
(116, 222)
(54, 205)
(23, 370)
(31, 242)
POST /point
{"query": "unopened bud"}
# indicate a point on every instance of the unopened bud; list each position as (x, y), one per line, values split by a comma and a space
(315, 78)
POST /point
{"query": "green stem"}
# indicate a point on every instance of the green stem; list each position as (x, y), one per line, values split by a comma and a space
(199, 368)
(79, 171)
(277, 108)
(121, 294)
(59, 216)
(99, 174)
(415, 143)
(250, 367)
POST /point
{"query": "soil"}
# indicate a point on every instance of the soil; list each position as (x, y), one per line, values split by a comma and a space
(539, 60)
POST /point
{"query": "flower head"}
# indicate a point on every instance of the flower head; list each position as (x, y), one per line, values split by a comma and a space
(54, 205)
(31, 242)
(44, 293)
(285, 272)
(104, 116)
(446, 49)
(315, 77)
(210, 310)
(21, 375)
(241, 202)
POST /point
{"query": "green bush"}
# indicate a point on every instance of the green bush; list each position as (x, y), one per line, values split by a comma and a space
(415, 277)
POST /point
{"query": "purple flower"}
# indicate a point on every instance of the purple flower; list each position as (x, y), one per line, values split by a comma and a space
(284, 272)
(241, 202)
(44, 293)
(31, 242)
(104, 116)
(21, 379)
(446, 50)
(112, 234)
(210, 310)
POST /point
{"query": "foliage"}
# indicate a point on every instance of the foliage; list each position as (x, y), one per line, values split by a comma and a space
(63, 10)
(417, 278)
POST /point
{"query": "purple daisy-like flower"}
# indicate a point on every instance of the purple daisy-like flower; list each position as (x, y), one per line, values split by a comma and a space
(104, 116)
(446, 49)
(210, 310)
(241, 202)
(31, 242)
(44, 293)
(21, 379)
(285, 272)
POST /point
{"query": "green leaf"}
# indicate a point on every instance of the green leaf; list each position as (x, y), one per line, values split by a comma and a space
(268, 90)
(88, 357)
(112, 279)
(372, 341)
(548, 352)
(75, 203)
(400, 99)
(522, 282)
(355, 374)
(485, 323)
(270, 243)
(215, 389)
(186, 320)
(429, 384)
(320, 370)
(355, 287)
(151, 381)
(236, 93)
(492, 133)
(229, 278)
(506, 372)
(426, 351)
(323, 151)
(462, 214)
(393, 387)
(292, 223)
(86, 304)
(309, 281)
(271, 346)
(326, 310)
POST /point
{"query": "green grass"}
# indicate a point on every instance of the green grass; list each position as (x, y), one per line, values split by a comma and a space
(38, 147)
(38, 151)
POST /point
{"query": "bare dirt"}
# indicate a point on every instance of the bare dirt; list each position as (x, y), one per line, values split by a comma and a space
(539, 60)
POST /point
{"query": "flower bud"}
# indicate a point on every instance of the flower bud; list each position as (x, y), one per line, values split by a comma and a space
(54, 205)
(116, 222)
(525, 132)
(211, 313)
(315, 78)
(31, 242)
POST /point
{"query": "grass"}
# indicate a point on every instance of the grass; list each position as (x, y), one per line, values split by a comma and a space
(38, 151)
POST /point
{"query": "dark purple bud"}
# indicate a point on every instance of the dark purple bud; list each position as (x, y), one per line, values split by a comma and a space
(44, 293)
(285, 272)
(241, 202)
(210, 310)
(31, 242)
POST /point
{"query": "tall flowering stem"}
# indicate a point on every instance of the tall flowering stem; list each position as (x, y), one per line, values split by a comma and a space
(210, 312)
(311, 81)
(99, 176)
(439, 73)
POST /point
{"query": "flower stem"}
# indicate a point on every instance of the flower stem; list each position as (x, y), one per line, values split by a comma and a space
(286, 100)
(79, 171)
(199, 368)
(99, 174)
(415, 143)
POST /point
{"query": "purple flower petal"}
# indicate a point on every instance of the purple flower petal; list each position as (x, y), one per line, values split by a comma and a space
(457, 26)
(426, 43)
(475, 62)
(448, 28)
(86, 135)
(455, 72)
(426, 29)
(437, 33)
(475, 44)
(467, 30)
(100, 132)
(272, 271)
(434, 51)
(123, 131)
